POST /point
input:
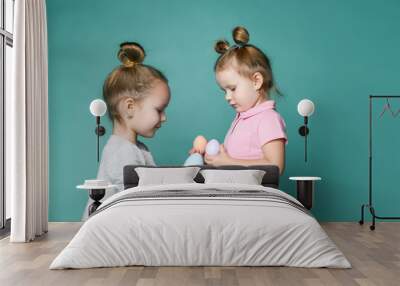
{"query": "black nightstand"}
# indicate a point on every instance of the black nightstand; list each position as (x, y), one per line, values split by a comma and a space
(305, 190)
(97, 190)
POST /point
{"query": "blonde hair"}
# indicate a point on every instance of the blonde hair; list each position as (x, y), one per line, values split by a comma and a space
(132, 78)
(247, 59)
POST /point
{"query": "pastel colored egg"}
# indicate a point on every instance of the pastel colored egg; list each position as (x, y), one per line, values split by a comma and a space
(212, 147)
(200, 143)
(194, 160)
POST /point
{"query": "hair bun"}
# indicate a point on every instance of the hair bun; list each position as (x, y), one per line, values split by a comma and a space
(221, 46)
(240, 35)
(131, 53)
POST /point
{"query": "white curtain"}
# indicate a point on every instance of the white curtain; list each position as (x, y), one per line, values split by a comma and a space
(27, 117)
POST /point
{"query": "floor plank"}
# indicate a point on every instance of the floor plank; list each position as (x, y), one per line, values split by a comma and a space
(375, 257)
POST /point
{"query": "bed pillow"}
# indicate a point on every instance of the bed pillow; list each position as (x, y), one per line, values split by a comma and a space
(163, 176)
(248, 177)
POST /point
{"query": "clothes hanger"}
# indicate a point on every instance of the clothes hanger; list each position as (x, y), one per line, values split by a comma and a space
(388, 107)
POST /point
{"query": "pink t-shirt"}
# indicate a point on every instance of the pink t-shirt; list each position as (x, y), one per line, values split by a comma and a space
(251, 129)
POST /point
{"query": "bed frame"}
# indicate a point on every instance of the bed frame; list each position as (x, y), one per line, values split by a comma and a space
(270, 179)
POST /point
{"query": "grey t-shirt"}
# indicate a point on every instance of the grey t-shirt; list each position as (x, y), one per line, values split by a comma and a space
(117, 153)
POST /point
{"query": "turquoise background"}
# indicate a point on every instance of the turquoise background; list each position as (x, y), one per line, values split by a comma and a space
(335, 53)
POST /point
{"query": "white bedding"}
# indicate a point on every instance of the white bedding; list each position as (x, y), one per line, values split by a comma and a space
(182, 231)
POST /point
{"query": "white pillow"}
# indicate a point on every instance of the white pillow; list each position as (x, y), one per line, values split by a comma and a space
(163, 176)
(248, 177)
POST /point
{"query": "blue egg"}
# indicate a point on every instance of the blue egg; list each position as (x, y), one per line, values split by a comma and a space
(194, 159)
(212, 147)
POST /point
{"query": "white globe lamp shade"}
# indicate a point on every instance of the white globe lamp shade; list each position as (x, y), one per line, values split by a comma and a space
(98, 107)
(305, 107)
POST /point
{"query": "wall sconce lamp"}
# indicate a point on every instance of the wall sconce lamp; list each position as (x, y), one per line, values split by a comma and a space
(98, 108)
(305, 108)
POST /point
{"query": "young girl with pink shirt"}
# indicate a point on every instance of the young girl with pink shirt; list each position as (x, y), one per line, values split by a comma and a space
(257, 135)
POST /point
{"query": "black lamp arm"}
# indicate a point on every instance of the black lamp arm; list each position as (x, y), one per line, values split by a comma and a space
(303, 131)
(100, 131)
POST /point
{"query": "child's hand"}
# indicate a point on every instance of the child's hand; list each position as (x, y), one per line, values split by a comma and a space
(222, 158)
(194, 150)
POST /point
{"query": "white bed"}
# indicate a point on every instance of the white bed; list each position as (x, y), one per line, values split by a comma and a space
(249, 225)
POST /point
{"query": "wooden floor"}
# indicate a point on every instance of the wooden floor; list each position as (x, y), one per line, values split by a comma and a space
(375, 257)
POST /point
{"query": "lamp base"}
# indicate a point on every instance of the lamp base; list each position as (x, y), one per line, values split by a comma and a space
(303, 130)
(100, 130)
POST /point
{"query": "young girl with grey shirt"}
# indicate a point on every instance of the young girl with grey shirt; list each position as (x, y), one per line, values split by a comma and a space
(136, 96)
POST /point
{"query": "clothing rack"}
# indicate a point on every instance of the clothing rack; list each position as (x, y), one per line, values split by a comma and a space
(370, 203)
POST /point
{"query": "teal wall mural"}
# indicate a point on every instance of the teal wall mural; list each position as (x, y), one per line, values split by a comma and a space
(335, 53)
